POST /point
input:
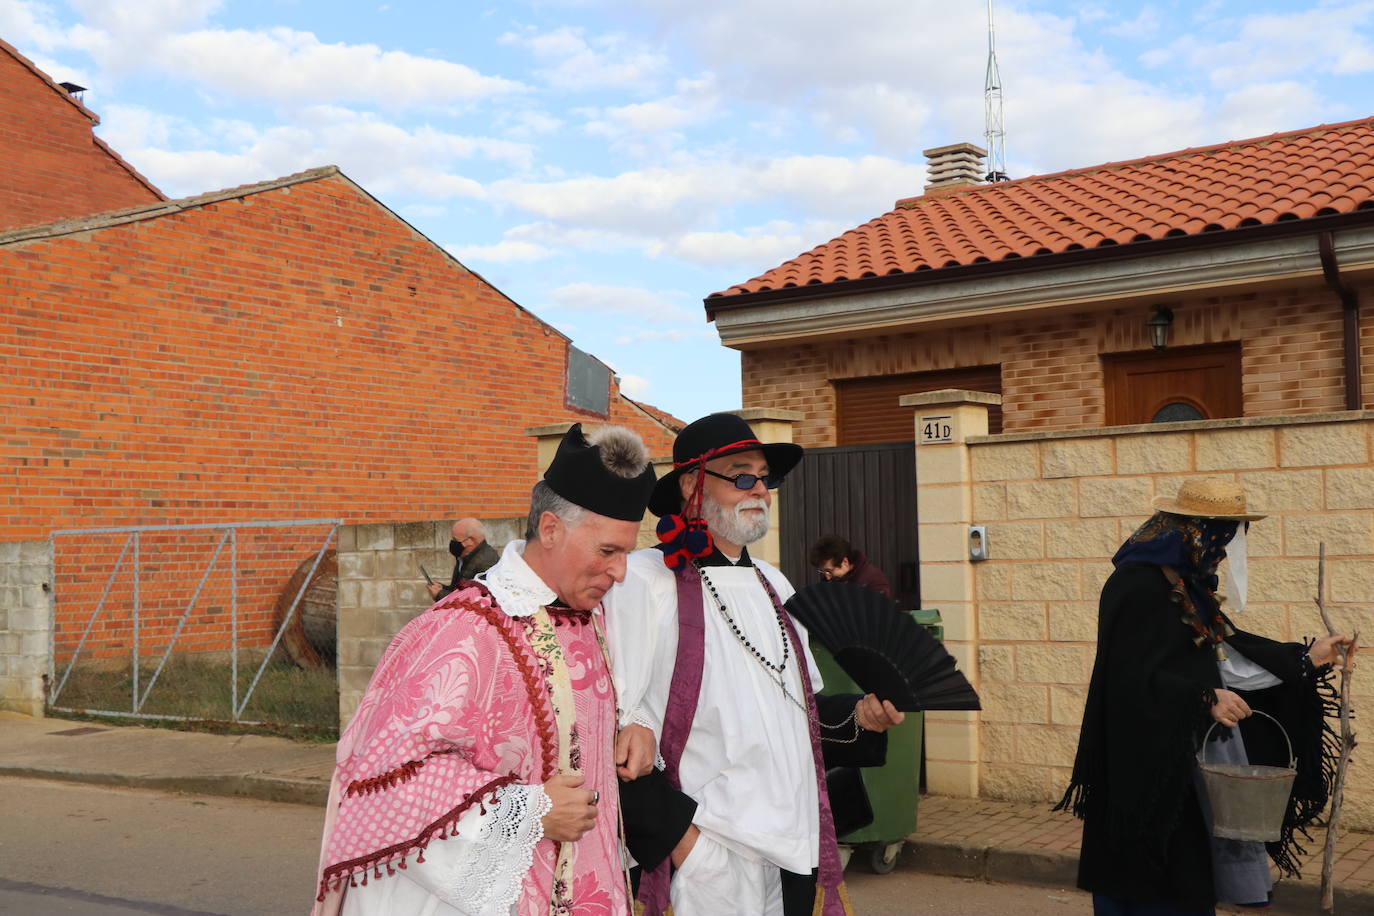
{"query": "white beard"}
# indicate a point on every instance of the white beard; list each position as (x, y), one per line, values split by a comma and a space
(732, 524)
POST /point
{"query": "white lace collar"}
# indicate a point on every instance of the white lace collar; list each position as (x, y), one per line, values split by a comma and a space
(517, 588)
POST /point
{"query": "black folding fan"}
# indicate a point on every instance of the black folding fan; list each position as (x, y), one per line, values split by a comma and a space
(882, 648)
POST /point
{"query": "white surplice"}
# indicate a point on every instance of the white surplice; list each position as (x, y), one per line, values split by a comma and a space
(748, 761)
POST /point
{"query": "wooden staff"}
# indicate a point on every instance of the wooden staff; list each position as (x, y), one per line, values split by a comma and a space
(1347, 744)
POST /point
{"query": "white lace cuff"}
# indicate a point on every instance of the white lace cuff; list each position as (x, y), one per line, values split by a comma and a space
(637, 717)
(481, 870)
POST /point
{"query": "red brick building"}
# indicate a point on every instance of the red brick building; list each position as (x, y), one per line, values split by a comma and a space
(53, 164)
(286, 350)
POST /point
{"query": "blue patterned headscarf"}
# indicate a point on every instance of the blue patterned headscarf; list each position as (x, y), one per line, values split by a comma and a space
(1194, 547)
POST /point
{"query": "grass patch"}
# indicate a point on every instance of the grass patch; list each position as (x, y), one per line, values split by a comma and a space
(288, 700)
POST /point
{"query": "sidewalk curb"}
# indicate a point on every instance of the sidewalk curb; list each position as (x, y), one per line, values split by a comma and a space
(1060, 869)
(992, 863)
(260, 786)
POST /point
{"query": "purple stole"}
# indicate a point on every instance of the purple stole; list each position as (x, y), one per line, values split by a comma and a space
(684, 692)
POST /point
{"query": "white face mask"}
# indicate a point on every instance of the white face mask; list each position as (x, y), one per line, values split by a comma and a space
(1237, 570)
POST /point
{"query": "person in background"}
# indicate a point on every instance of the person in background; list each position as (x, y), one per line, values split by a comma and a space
(472, 555)
(1170, 663)
(836, 559)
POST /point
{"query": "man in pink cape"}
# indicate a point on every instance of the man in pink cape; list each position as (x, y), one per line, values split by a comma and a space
(478, 775)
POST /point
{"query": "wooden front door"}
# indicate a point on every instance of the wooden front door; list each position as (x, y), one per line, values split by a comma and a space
(1183, 383)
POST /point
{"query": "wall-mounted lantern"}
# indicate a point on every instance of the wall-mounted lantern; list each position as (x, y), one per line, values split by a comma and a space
(1158, 326)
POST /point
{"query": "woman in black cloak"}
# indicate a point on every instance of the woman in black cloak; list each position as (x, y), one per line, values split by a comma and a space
(1169, 664)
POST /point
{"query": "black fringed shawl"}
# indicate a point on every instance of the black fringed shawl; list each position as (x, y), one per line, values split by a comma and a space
(1148, 705)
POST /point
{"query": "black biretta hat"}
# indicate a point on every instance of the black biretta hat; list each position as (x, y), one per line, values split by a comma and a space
(582, 473)
(714, 436)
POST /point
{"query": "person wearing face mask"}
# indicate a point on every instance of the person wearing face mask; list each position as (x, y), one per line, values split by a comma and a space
(705, 657)
(1170, 662)
(472, 556)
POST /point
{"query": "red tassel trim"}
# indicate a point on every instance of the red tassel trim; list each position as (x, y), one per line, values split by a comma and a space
(403, 773)
(349, 871)
(534, 683)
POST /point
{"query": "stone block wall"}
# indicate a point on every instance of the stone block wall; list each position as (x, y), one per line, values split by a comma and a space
(1057, 506)
(381, 589)
(25, 624)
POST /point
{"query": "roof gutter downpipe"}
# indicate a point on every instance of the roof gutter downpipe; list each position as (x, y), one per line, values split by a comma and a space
(1350, 308)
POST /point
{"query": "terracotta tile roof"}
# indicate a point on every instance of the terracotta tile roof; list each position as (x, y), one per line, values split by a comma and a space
(1290, 176)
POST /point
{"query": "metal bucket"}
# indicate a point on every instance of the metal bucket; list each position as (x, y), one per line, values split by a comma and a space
(1248, 801)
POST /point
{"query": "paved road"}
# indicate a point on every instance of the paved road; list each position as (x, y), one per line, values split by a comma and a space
(191, 854)
(78, 850)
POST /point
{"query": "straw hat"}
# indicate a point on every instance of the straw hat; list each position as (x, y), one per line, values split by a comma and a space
(1208, 497)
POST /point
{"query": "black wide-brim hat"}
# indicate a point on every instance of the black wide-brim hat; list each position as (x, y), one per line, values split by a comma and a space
(715, 436)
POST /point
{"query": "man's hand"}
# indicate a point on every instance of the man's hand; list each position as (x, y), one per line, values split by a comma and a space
(634, 752)
(877, 716)
(434, 588)
(573, 812)
(1324, 651)
(1229, 708)
(684, 846)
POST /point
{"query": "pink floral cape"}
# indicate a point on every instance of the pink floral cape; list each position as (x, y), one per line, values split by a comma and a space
(456, 709)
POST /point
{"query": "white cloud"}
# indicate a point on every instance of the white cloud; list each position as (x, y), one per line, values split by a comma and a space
(1145, 25)
(574, 62)
(694, 102)
(763, 246)
(634, 386)
(502, 252)
(618, 301)
(527, 123)
(285, 65)
(1329, 38)
(1267, 108)
(386, 158)
(280, 65)
(668, 201)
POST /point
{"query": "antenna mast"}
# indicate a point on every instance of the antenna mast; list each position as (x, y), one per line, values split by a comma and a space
(992, 110)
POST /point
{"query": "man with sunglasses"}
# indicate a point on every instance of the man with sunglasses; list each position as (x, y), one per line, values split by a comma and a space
(705, 656)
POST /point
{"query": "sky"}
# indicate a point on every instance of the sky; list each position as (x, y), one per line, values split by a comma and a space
(610, 163)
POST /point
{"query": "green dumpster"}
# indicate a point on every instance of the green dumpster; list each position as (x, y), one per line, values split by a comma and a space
(893, 789)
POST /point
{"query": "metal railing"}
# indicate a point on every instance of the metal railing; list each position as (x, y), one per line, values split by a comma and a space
(130, 565)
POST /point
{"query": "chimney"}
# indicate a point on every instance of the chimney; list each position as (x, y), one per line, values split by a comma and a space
(74, 90)
(959, 165)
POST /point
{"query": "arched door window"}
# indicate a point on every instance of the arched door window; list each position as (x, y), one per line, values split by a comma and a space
(1176, 411)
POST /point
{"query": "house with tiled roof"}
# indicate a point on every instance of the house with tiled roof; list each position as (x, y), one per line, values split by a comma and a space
(1037, 360)
(1043, 290)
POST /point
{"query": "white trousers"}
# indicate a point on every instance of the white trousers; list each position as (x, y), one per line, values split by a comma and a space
(715, 881)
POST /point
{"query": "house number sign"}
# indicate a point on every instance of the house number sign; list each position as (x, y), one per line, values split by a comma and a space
(937, 429)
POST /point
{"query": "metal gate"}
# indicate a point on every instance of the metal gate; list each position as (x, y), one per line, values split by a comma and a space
(867, 495)
(190, 610)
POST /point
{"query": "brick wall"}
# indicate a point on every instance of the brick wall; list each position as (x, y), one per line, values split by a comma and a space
(293, 352)
(1051, 375)
(51, 164)
(1057, 506)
